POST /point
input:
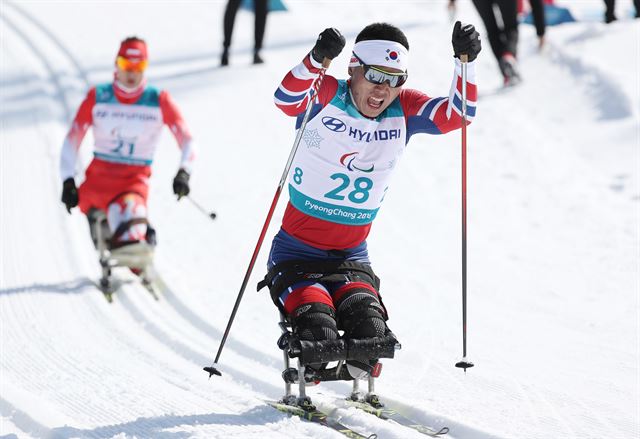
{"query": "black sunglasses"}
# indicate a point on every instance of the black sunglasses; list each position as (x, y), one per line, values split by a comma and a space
(376, 75)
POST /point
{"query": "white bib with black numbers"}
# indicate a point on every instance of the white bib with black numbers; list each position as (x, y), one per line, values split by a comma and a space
(344, 163)
(126, 133)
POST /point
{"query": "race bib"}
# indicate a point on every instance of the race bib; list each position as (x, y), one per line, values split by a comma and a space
(345, 161)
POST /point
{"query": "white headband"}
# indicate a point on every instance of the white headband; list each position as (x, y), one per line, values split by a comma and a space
(380, 53)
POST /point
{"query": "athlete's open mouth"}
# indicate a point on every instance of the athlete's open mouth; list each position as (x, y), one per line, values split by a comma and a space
(375, 103)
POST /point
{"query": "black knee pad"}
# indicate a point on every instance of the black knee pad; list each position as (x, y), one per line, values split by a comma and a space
(361, 315)
(314, 322)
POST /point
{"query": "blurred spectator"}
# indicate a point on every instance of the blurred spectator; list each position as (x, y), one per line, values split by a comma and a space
(539, 21)
(609, 14)
(502, 32)
(260, 9)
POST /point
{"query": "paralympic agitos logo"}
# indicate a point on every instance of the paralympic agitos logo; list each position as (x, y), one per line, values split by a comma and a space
(348, 159)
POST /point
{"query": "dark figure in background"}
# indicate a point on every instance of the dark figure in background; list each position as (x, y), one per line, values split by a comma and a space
(260, 9)
(610, 15)
(539, 21)
(504, 37)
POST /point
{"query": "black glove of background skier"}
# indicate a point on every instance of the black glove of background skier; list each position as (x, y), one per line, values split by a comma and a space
(181, 184)
(465, 40)
(329, 44)
(69, 194)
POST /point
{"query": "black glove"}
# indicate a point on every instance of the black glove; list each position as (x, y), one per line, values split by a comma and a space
(181, 184)
(465, 40)
(329, 44)
(69, 194)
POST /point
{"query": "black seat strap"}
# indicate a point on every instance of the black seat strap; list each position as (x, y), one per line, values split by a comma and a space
(283, 275)
(123, 227)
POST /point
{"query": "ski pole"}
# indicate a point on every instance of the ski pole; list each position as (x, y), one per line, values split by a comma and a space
(198, 206)
(464, 363)
(316, 86)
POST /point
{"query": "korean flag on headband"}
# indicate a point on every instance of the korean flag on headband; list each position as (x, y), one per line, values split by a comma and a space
(272, 6)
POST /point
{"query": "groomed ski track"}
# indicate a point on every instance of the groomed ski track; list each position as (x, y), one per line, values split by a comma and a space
(73, 365)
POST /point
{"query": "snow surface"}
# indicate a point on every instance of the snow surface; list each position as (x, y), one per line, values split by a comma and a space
(554, 239)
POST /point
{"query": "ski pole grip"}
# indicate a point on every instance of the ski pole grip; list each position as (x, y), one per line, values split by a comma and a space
(464, 58)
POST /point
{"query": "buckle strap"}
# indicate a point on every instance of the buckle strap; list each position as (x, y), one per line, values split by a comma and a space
(283, 275)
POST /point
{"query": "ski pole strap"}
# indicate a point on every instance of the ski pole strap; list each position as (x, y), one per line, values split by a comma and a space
(281, 276)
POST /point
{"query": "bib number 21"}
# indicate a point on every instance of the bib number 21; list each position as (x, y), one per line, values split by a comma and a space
(359, 193)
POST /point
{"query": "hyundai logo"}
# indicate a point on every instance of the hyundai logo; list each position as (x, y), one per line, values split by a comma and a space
(334, 124)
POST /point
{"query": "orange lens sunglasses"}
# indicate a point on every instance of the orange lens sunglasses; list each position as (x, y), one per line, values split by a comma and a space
(131, 66)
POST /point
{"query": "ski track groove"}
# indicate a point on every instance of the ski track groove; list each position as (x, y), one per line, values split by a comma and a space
(176, 325)
(158, 313)
(54, 79)
(568, 431)
(153, 361)
(185, 351)
(593, 421)
(55, 361)
(193, 319)
(201, 327)
(89, 373)
(611, 101)
(53, 39)
(51, 362)
(526, 398)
